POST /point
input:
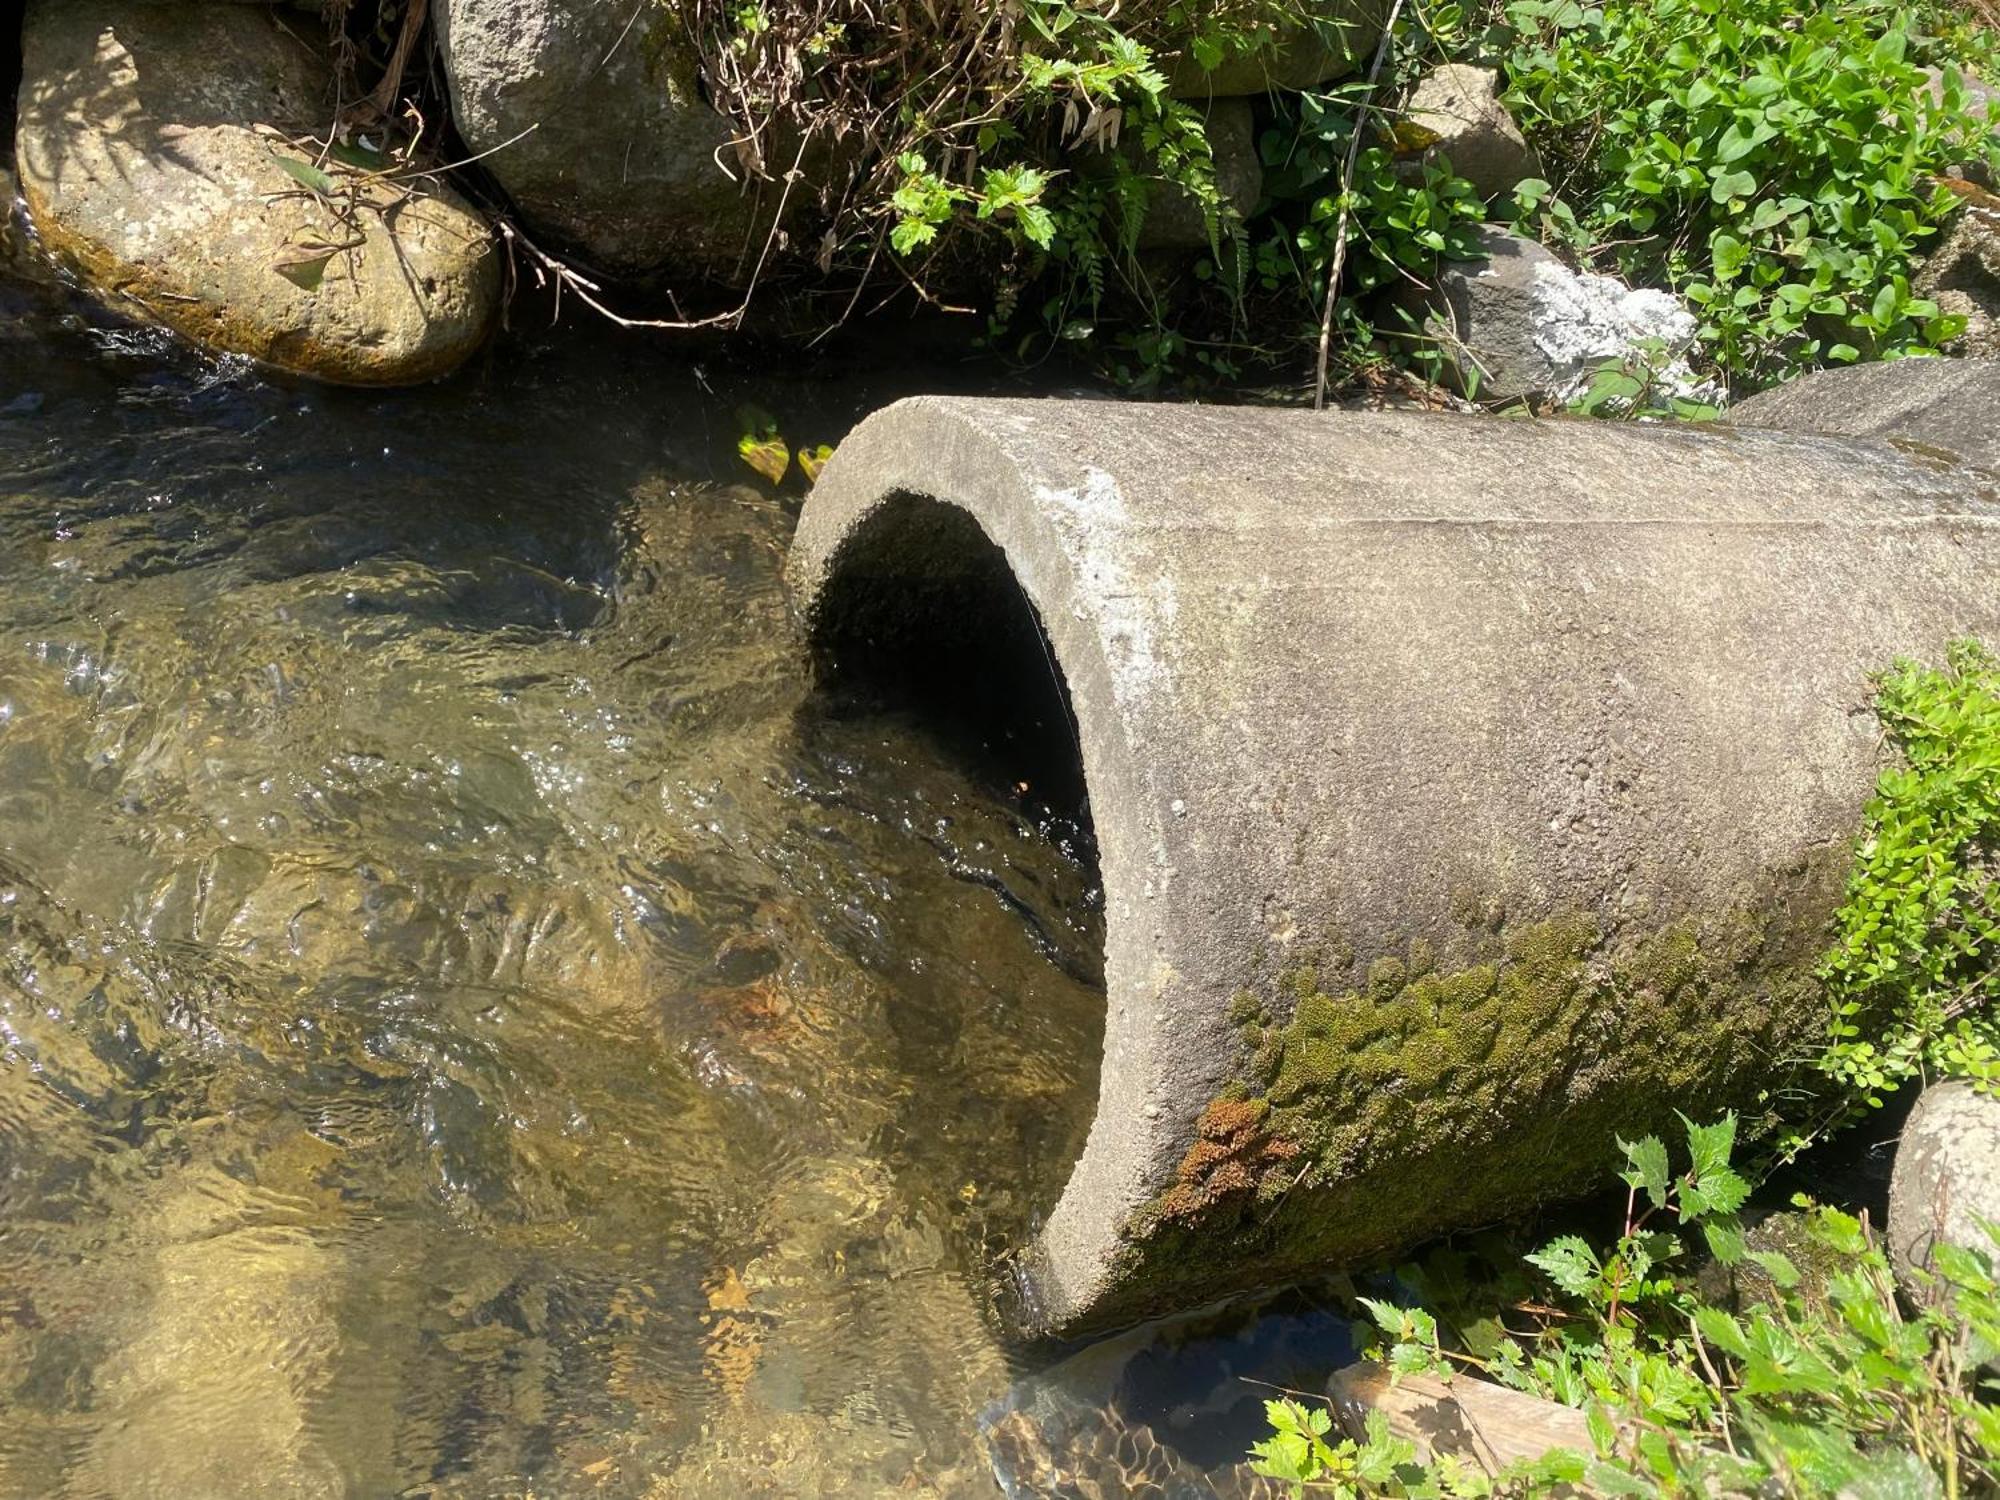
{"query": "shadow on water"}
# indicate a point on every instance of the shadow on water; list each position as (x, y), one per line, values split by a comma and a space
(473, 1020)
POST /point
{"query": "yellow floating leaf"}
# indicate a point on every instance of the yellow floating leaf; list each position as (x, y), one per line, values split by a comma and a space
(767, 455)
(812, 460)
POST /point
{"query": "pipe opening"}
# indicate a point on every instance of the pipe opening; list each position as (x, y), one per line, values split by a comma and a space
(921, 617)
(921, 614)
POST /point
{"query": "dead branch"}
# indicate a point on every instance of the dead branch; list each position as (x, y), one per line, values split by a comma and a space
(1365, 105)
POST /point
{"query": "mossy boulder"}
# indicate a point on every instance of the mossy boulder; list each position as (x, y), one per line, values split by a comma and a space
(152, 147)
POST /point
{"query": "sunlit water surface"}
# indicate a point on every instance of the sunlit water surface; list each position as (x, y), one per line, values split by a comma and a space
(472, 1022)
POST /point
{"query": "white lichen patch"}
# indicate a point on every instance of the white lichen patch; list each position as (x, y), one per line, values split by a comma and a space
(1131, 607)
(1581, 321)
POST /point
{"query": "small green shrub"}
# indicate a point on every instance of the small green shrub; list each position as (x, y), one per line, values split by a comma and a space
(1822, 1385)
(1915, 966)
(1772, 162)
(1406, 217)
(977, 135)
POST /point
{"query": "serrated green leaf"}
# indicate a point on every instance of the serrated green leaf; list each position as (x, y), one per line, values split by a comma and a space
(1725, 1240)
(1648, 1170)
(1723, 1331)
(1570, 1263)
(1778, 1267)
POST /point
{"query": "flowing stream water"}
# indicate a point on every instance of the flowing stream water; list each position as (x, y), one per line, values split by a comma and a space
(473, 1021)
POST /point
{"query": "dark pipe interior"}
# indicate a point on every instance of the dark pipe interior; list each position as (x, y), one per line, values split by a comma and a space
(924, 615)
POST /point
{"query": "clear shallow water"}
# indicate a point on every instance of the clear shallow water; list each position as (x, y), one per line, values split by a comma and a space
(471, 1022)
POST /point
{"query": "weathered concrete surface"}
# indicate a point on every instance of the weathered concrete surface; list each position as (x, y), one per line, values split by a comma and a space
(1946, 1179)
(145, 174)
(1467, 790)
(1947, 404)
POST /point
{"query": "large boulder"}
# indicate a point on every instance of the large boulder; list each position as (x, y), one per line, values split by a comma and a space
(1339, 39)
(1938, 403)
(1947, 1179)
(598, 132)
(1456, 114)
(145, 173)
(1516, 323)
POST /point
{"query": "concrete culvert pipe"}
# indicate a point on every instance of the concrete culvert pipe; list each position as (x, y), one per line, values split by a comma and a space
(1467, 791)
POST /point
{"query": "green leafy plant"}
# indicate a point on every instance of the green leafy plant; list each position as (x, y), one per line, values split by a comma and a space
(1640, 383)
(1915, 965)
(1819, 1383)
(1407, 215)
(1030, 136)
(1772, 162)
(1298, 1452)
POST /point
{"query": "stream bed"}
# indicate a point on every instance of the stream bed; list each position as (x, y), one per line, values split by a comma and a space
(473, 1022)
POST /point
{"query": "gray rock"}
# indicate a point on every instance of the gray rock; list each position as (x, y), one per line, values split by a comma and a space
(1174, 220)
(1343, 35)
(599, 135)
(1947, 1179)
(1468, 791)
(1458, 108)
(1944, 404)
(1517, 323)
(1963, 276)
(144, 173)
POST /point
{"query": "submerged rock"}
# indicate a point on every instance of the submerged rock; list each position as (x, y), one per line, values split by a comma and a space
(1518, 323)
(600, 136)
(145, 172)
(1947, 1179)
(1165, 1409)
(1456, 111)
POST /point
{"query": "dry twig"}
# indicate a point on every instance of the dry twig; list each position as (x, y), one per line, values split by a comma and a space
(1365, 106)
